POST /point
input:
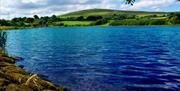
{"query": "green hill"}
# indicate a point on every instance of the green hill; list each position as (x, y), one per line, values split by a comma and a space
(108, 17)
(108, 12)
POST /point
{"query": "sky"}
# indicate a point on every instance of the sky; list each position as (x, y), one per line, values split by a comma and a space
(21, 8)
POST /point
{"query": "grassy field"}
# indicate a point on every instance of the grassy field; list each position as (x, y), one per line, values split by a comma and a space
(6, 27)
(112, 16)
(73, 23)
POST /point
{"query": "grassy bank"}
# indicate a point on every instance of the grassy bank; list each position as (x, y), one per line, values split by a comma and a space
(6, 27)
(14, 78)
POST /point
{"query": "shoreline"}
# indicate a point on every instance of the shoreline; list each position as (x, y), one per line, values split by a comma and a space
(14, 78)
(14, 27)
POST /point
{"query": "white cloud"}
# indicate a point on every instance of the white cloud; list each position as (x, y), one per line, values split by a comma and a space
(30, 1)
(152, 4)
(20, 8)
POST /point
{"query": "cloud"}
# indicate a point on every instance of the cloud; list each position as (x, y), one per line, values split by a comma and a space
(153, 4)
(20, 8)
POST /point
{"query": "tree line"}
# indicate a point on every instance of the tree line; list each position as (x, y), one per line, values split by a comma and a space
(114, 19)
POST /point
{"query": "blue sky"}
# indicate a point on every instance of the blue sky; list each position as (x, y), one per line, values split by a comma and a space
(28, 8)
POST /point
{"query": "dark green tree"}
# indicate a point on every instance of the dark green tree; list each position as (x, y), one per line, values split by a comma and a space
(36, 17)
(80, 18)
(54, 18)
(101, 22)
(174, 18)
(94, 18)
(29, 20)
(4, 23)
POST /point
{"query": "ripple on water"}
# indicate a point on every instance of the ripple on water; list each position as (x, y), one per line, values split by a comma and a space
(102, 58)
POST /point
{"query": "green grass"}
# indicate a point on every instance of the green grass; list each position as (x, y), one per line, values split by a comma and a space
(107, 12)
(159, 18)
(114, 17)
(73, 23)
(130, 22)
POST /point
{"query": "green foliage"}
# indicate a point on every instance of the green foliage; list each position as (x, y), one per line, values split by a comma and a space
(53, 18)
(128, 22)
(4, 23)
(36, 17)
(100, 22)
(130, 2)
(157, 22)
(73, 23)
(138, 22)
(174, 18)
(28, 20)
(97, 17)
(120, 17)
(94, 18)
(80, 18)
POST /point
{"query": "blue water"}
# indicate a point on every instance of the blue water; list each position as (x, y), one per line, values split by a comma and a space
(101, 58)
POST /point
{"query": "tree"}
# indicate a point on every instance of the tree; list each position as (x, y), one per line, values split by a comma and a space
(54, 18)
(174, 18)
(94, 18)
(45, 19)
(29, 20)
(80, 18)
(130, 1)
(4, 23)
(36, 17)
(100, 22)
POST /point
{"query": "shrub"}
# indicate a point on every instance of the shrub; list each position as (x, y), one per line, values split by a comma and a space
(100, 22)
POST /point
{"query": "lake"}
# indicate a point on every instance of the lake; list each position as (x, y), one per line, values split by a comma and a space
(101, 58)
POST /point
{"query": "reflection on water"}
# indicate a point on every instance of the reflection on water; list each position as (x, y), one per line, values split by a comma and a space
(3, 37)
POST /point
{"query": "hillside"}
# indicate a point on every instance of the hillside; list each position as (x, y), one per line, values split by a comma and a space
(96, 17)
(108, 12)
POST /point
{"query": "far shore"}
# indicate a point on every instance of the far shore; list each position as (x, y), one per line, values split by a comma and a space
(14, 27)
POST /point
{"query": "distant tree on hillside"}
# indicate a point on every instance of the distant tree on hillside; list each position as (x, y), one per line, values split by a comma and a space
(54, 17)
(29, 20)
(36, 17)
(4, 23)
(174, 18)
(94, 18)
(80, 18)
(101, 22)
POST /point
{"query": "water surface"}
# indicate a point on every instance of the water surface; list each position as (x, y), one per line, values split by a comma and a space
(101, 58)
